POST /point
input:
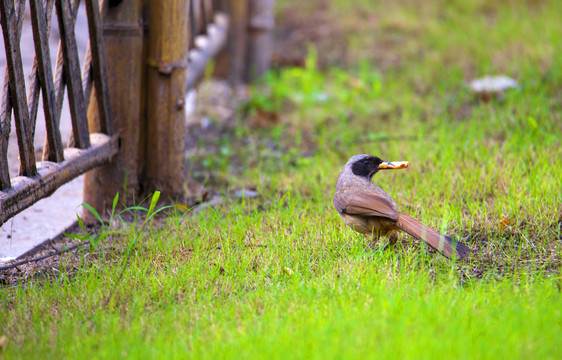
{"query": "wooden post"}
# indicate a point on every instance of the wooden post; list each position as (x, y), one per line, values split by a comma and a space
(260, 40)
(247, 54)
(167, 49)
(231, 62)
(123, 40)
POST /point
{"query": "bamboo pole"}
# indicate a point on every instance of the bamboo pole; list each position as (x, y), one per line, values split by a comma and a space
(231, 62)
(260, 40)
(123, 44)
(167, 49)
(247, 54)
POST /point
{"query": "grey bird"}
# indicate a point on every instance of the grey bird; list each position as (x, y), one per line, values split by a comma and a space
(369, 210)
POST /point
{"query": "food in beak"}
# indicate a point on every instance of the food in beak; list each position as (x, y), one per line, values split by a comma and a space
(394, 165)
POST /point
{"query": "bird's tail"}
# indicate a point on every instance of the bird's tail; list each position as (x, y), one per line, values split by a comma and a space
(442, 243)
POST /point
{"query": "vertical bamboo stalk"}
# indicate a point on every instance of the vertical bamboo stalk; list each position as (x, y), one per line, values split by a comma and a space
(247, 54)
(71, 70)
(231, 62)
(219, 5)
(99, 65)
(45, 75)
(166, 90)
(260, 41)
(123, 45)
(6, 111)
(18, 99)
(191, 25)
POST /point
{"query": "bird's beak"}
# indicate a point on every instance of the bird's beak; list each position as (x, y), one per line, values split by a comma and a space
(385, 165)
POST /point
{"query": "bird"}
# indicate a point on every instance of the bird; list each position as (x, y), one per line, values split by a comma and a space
(368, 209)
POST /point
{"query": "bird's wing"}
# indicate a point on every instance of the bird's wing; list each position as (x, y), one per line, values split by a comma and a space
(366, 203)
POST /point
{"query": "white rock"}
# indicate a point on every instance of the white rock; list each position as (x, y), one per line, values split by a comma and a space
(492, 84)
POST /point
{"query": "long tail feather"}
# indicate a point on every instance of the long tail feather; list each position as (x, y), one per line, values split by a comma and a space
(442, 243)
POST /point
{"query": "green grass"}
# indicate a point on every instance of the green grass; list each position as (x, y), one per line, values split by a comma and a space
(334, 302)
(289, 280)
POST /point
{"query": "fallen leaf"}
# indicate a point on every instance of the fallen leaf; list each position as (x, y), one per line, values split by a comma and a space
(505, 223)
(3, 342)
(264, 118)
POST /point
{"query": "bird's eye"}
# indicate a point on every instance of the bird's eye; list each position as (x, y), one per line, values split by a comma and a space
(366, 162)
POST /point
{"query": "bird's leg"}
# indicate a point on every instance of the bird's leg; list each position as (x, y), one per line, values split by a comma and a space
(373, 243)
(392, 238)
(375, 235)
(389, 235)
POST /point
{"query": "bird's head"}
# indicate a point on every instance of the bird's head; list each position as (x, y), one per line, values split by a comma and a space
(365, 165)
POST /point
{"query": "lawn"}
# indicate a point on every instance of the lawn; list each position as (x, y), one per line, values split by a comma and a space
(280, 275)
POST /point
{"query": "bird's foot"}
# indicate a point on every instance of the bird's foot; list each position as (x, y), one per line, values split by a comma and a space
(388, 244)
(376, 245)
(372, 244)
